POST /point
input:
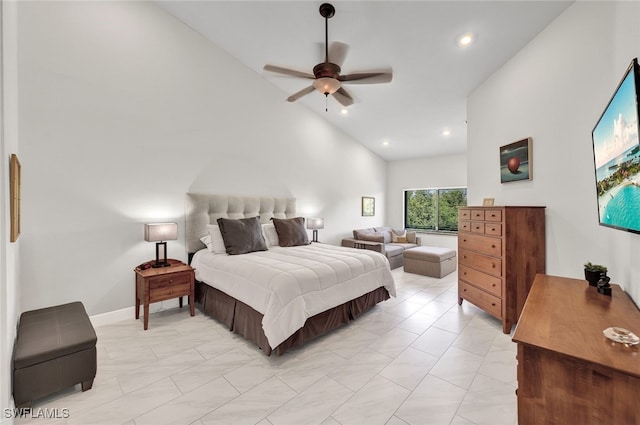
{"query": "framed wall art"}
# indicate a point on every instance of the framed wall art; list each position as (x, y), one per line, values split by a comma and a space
(368, 206)
(516, 161)
(14, 194)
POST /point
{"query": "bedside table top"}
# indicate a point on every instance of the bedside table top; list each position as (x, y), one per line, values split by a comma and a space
(175, 267)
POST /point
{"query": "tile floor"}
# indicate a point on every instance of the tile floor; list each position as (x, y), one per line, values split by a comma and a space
(415, 359)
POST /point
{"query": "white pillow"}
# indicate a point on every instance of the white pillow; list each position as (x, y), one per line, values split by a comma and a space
(217, 243)
(207, 241)
(270, 234)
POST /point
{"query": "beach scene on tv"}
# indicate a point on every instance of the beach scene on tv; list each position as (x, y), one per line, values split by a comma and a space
(616, 150)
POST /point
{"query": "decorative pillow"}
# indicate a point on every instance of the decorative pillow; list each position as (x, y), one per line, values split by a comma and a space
(242, 236)
(270, 234)
(411, 237)
(216, 243)
(291, 231)
(371, 237)
(399, 238)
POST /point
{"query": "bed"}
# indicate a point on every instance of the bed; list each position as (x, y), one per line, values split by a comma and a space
(280, 297)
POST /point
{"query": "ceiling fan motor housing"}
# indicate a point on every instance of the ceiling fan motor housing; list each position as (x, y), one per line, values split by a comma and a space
(326, 70)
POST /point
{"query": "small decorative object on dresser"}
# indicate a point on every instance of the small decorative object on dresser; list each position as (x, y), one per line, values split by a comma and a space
(500, 250)
(163, 283)
(593, 272)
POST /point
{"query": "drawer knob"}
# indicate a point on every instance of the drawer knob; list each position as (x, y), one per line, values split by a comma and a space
(493, 266)
(493, 246)
(493, 304)
(494, 285)
(170, 280)
(464, 240)
(464, 290)
(477, 227)
(493, 229)
(464, 273)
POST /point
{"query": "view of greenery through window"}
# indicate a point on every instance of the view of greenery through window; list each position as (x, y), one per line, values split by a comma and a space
(433, 209)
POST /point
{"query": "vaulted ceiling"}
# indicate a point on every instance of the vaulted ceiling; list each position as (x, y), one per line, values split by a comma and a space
(432, 74)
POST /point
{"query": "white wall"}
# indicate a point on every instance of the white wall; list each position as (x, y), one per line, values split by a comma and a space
(554, 91)
(435, 172)
(123, 109)
(9, 252)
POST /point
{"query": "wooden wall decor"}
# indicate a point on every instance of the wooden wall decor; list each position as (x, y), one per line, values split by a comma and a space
(14, 194)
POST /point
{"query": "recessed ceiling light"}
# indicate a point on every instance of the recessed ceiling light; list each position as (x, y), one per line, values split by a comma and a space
(446, 132)
(465, 39)
(385, 143)
(344, 111)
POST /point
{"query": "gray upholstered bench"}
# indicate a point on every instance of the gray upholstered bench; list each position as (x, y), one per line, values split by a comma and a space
(430, 261)
(55, 349)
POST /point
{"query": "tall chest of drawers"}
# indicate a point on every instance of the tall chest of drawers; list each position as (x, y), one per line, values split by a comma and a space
(500, 250)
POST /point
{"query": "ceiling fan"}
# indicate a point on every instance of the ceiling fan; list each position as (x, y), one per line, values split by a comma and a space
(326, 75)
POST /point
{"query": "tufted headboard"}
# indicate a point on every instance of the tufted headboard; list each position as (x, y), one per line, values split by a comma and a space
(204, 209)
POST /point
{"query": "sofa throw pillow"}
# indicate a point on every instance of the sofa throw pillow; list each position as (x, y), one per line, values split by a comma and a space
(291, 231)
(242, 236)
(398, 236)
(371, 237)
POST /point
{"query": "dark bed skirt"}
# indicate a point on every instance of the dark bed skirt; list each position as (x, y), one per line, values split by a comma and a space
(244, 320)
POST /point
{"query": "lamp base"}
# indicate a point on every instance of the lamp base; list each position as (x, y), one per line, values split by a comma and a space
(160, 264)
(315, 236)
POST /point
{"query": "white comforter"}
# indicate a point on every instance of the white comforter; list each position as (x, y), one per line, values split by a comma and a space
(288, 285)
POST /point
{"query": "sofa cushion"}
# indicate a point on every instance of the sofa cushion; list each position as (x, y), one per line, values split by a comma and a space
(403, 245)
(386, 232)
(393, 250)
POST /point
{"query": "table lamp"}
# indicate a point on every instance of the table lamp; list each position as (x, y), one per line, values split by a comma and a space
(315, 224)
(159, 233)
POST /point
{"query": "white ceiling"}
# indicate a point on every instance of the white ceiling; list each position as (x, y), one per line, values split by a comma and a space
(418, 39)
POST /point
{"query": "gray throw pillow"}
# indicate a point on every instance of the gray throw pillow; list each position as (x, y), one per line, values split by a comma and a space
(291, 231)
(242, 236)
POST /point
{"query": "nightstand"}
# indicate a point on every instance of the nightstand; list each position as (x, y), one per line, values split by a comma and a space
(163, 283)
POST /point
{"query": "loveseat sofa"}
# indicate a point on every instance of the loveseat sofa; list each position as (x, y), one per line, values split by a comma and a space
(385, 240)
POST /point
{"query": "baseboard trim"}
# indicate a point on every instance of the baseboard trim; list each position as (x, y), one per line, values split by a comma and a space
(129, 313)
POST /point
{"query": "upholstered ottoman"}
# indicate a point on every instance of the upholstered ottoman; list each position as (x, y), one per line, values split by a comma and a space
(430, 261)
(55, 349)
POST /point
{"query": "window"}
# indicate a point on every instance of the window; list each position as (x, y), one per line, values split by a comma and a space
(433, 209)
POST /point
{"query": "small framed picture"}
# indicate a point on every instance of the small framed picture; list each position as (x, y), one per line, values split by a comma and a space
(487, 202)
(516, 162)
(368, 206)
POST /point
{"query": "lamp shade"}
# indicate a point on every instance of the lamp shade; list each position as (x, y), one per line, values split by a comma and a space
(155, 232)
(315, 223)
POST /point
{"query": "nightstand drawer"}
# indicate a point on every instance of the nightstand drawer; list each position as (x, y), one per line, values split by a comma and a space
(484, 300)
(168, 280)
(486, 282)
(172, 291)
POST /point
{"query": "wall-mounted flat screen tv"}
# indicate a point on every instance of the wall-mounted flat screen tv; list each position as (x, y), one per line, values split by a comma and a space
(616, 154)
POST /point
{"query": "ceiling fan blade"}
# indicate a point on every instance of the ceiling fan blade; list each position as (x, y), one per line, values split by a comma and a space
(288, 71)
(301, 93)
(338, 52)
(367, 77)
(343, 97)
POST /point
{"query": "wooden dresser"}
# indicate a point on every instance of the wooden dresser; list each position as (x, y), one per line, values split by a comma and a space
(500, 250)
(568, 372)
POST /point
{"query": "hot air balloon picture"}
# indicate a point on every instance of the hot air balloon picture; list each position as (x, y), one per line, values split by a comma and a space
(515, 161)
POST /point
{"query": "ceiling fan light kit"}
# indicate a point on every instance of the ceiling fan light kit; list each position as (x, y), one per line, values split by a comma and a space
(326, 75)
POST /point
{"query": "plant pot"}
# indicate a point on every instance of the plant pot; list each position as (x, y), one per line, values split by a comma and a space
(593, 277)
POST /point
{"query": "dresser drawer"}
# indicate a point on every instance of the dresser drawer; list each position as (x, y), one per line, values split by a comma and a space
(493, 229)
(484, 300)
(493, 215)
(486, 282)
(477, 226)
(464, 214)
(483, 263)
(464, 226)
(483, 244)
(169, 292)
(477, 215)
(172, 279)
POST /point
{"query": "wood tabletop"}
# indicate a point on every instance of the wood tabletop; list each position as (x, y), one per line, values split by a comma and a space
(568, 316)
(176, 266)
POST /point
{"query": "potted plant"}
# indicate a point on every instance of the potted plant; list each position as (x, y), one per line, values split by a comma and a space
(593, 272)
